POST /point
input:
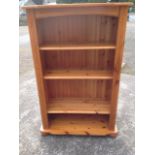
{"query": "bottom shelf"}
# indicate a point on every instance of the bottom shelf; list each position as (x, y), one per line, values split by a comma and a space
(96, 125)
(78, 106)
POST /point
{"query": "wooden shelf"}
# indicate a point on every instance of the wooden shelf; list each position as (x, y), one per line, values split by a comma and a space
(78, 125)
(90, 46)
(78, 106)
(78, 74)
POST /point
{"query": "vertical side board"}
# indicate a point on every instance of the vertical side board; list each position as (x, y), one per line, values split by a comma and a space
(38, 66)
(117, 64)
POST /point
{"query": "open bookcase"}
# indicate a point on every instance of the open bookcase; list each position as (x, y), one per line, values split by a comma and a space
(77, 52)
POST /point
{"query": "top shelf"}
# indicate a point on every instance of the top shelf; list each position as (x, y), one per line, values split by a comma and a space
(90, 46)
(76, 5)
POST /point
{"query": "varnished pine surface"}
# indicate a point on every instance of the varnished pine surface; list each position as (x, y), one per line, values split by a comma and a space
(77, 5)
(78, 74)
(78, 106)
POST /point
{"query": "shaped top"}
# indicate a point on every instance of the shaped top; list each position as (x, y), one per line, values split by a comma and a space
(76, 5)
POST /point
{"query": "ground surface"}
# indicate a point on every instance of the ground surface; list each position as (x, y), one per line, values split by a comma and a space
(32, 143)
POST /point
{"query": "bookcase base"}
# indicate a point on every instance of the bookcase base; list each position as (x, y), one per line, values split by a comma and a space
(46, 132)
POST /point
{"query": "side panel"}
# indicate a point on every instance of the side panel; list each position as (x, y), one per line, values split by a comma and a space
(117, 64)
(38, 66)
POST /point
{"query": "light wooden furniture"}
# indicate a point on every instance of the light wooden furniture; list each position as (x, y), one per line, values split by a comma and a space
(77, 52)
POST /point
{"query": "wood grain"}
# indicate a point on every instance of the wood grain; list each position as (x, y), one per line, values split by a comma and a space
(77, 32)
(77, 74)
(38, 67)
(79, 88)
(76, 47)
(78, 5)
(117, 64)
(77, 52)
(110, 11)
(79, 125)
(78, 106)
(79, 60)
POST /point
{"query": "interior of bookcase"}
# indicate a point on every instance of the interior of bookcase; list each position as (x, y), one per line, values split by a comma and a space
(77, 54)
(78, 124)
(79, 29)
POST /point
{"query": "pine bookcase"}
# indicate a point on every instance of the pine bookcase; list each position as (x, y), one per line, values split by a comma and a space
(77, 52)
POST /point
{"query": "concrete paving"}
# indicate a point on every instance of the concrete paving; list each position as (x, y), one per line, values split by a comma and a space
(32, 143)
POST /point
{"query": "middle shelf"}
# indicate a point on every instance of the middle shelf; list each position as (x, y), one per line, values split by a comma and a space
(77, 46)
(78, 74)
(78, 106)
